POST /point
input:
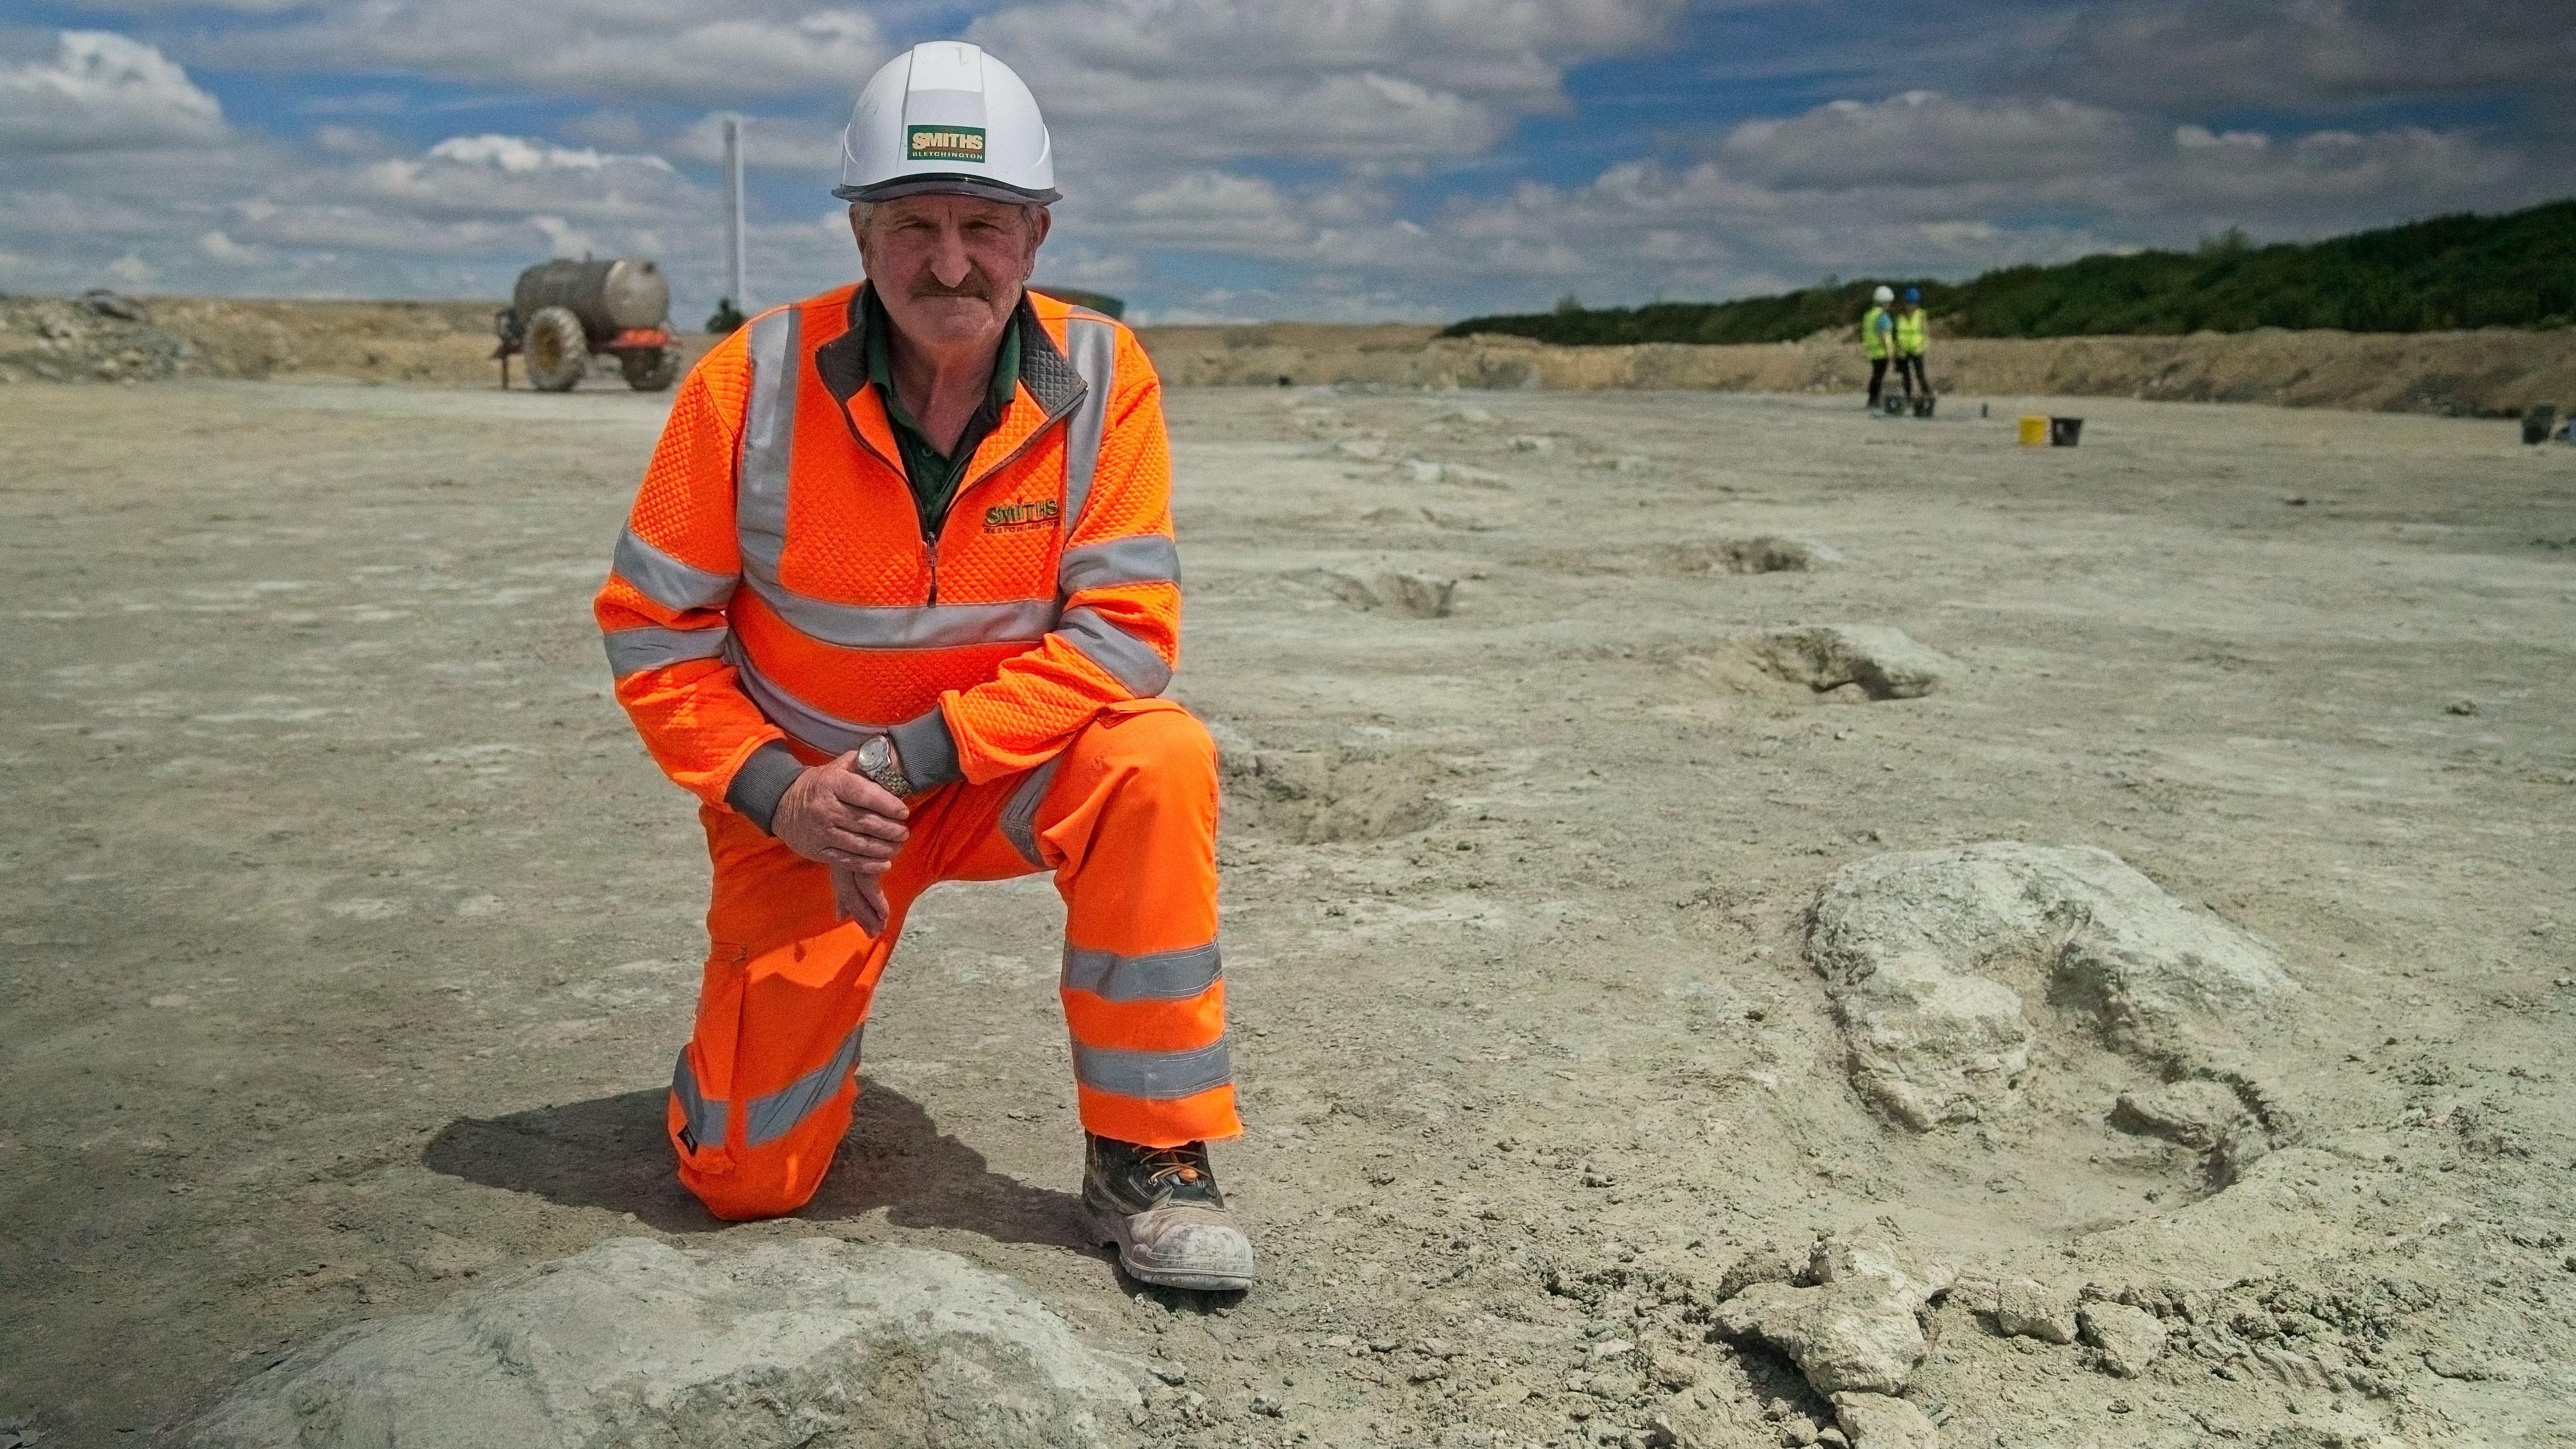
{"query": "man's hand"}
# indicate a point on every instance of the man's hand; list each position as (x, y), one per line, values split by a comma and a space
(859, 898)
(839, 817)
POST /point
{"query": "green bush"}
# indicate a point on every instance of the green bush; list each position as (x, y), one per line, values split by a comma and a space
(2446, 273)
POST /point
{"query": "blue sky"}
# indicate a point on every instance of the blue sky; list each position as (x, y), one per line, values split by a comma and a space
(1238, 159)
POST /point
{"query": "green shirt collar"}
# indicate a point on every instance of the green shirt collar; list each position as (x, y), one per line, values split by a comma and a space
(880, 328)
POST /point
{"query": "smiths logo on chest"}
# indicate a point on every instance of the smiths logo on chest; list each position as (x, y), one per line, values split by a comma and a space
(943, 143)
(1011, 517)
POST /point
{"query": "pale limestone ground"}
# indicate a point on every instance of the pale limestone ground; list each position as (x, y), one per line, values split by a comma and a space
(346, 935)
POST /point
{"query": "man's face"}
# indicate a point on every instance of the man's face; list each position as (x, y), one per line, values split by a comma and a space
(949, 268)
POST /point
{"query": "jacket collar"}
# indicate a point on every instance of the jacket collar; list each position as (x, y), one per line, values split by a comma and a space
(1045, 373)
(1049, 387)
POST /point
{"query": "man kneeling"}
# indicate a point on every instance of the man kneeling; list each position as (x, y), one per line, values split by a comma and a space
(897, 601)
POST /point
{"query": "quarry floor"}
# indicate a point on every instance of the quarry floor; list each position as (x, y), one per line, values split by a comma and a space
(347, 935)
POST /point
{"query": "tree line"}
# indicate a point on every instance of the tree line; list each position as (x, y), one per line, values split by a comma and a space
(2441, 274)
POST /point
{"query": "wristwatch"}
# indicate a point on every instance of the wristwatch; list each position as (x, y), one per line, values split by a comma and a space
(877, 761)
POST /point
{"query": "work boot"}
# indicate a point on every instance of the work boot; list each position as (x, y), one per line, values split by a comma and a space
(1161, 1206)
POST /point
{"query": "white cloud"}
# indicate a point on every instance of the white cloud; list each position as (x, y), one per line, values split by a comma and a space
(780, 143)
(224, 249)
(104, 92)
(519, 155)
(1925, 137)
(624, 52)
(1370, 82)
(2160, 55)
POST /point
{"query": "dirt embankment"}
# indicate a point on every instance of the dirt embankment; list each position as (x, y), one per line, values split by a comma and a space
(2496, 372)
(116, 339)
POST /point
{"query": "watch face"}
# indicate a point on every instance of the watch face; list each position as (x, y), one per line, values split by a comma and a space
(874, 754)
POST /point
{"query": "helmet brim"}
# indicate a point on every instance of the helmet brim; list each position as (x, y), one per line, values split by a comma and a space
(982, 187)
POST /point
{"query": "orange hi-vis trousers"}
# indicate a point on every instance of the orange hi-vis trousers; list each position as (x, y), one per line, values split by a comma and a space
(1125, 817)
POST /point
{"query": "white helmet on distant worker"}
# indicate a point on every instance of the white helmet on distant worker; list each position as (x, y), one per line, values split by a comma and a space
(1883, 296)
(947, 117)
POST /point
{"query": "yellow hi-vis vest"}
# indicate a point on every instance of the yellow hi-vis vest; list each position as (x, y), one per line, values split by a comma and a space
(1873, 334)
(1913, 330)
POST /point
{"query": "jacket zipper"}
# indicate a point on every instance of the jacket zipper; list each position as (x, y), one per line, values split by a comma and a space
(931, 528)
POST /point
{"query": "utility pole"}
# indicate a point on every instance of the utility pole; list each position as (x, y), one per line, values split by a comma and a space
(733, 202)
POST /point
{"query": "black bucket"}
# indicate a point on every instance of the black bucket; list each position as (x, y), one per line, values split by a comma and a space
(2065, 432)
(2537, 423)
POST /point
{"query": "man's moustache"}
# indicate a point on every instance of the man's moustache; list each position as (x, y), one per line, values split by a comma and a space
(933, 291)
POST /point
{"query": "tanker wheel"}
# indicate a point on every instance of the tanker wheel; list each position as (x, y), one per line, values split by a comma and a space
(650, 369)
(558, 350)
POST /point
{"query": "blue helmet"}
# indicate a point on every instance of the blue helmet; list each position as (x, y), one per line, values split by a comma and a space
(1914, 294)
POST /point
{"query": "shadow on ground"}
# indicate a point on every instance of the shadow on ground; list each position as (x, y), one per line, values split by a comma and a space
(610, 1153)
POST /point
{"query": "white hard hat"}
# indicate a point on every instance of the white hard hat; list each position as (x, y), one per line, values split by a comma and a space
(947, 117)
(1883, 294)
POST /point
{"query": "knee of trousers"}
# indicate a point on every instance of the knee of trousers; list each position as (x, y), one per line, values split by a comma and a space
(1162, 759)
(771, 1180)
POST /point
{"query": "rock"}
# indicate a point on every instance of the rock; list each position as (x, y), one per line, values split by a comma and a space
(1770, 1263)
(1856, 1327)
(2026, 1309)
(114, 304)
(1883, 1421)
(1366, 450)
(1532, 443)
(2192, 1114)
(1911, 945)
(1760, 554)
(2204, 1115)
(2129, 1338)
(1425, 470)
(1797, 1430)
(1419, 595)
(634, 1342)
(1868, 661)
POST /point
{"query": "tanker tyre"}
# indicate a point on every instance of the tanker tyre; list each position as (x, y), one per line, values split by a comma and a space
(558, 350)
(650, 371)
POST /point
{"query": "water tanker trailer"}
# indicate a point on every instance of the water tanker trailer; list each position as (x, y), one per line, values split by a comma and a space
(564, 312)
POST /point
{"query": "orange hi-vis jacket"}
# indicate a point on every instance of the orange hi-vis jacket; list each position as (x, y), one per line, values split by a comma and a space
(774, 583)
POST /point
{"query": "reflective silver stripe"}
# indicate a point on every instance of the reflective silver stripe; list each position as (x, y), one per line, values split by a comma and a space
(1156, 1076)
(632, 651)
(918, 626)
(760, 522)
(828, 733)
(1091, 340)
(1162, 976)
(1130, 660)
(1020, 813)
(769, 1118)
(664, 579)
(705, 1115)
(768, 428)
(1146, 558)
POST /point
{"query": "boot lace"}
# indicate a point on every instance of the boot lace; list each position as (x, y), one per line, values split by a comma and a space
(1165, 1166)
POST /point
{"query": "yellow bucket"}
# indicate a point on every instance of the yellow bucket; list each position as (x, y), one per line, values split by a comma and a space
(2034, 431)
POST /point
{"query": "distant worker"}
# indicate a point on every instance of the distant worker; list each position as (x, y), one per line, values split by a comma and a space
(897, 602)
(1878, 340)
(1913, 334)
